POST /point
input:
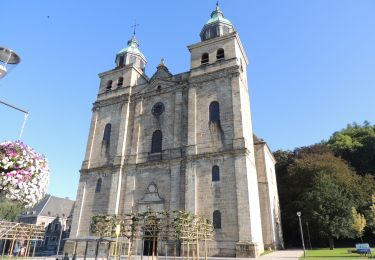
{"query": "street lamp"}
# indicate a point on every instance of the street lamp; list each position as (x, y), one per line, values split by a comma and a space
(8, 61)
(61, 230)
(300, 226)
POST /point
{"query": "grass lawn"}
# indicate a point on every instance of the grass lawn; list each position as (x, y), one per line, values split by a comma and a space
(337, 253)
(266, 252)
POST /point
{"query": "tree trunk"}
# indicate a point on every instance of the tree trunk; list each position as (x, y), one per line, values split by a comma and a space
(331, 243)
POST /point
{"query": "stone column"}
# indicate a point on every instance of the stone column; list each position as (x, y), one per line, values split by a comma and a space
(249, 221)
(175, 186)
(191, 188)
(192, 121)
(177, 119)
(78, 208)
(90, 142)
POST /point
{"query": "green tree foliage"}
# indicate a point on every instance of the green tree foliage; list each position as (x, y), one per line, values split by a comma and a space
(330, 206)
(371, 216)
(320, 185)
(10, 211)
(356, 144)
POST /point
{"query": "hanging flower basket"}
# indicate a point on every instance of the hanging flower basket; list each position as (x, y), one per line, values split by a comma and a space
(24, 174)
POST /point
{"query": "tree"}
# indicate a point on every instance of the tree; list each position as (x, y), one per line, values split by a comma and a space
(330, 206)
(359, 223)
(9, 210)
(371, 216)
(298, 178)
(356, 144)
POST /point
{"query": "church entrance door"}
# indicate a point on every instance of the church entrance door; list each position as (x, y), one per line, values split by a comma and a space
(150, 245)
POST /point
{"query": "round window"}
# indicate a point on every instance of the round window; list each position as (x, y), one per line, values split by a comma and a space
(158, 109)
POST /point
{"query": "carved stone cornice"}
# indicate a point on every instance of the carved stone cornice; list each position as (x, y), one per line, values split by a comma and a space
(166, 90)
(110, 101)
(107, 167)
(218, 74)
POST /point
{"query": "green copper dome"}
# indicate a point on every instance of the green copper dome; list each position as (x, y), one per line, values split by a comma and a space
(133, 47)
(216, 26)
(217, 16)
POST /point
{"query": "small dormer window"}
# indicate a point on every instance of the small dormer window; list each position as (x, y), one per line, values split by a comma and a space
(220, 54)
(109, 85)
(205, 58)
(120, 81)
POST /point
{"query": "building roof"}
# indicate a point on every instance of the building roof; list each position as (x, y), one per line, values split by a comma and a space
(51, 206)
(133, 47)
(218, 16)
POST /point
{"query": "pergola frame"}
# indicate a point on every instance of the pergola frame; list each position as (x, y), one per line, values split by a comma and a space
(13, 231)
(167, 227)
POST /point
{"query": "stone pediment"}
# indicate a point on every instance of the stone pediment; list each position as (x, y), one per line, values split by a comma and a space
(151, 195)
(162, 72)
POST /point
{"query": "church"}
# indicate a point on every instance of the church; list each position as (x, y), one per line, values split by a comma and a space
(182, 142)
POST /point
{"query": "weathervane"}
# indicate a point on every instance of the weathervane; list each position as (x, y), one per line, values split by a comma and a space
(134, 26)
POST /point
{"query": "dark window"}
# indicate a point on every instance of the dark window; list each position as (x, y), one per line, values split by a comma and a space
(159, 88)
(158, 109)
(205, 58)
(156, 142)
(109, 85)
(214, 112)
(220, 54)
(106, 139)
(120, 81)
(216, 219)
(98, 185)
(107, 135)
(121, 61)
(215, 173)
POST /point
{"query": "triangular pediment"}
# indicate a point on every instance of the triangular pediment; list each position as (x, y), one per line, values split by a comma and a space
(161, 73)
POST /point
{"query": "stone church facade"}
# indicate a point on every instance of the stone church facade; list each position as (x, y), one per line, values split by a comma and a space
(182, 142)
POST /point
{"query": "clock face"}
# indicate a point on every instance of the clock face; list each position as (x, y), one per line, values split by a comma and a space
(158, 109)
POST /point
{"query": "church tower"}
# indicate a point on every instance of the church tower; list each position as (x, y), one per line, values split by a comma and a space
(182, 142)
(220, 131)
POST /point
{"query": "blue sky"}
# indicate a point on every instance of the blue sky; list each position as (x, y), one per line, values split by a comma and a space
(311, 72)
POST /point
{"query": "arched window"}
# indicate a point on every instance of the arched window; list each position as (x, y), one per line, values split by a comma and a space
(98, 185)
(214, 112)
(205, 58)
(121, 61)
(216, 219)
(109, 85)
(220, 54)
(120, 81)
(107, 136)
(156, 144)
(215, 173)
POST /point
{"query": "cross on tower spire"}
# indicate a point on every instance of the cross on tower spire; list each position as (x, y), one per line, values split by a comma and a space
(134, 26)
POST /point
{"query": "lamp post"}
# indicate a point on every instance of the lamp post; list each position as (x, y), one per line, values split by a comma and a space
(9, 59)
(61, 230)
(300, 226)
